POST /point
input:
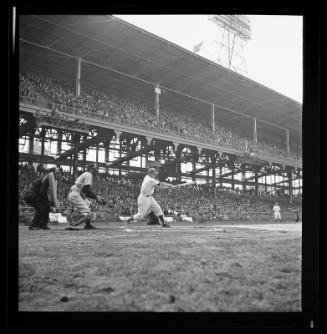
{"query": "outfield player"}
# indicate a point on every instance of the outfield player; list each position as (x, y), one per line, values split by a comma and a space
(37, 196)
(276, 210)
(146, 203)
(79, 192)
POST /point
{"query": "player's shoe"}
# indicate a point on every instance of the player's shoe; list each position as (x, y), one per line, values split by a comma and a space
(34, 228)
(76, 220)
(129, 220)
(165, 225)
(72, 229)
(46, 228)
(74, 223)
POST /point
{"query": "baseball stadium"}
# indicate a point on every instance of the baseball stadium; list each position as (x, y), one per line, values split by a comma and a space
(95, 89)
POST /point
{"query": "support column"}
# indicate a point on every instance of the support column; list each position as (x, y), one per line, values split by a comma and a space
(195, 157)
(213, 176)
(106, 145)
(256, 183)
(193, 168)
(244, 182)
(78, 76)
(220, 179)
(255, 133)
(76, 140)
(157, 148)
(59, 141)
(178, 151)
(213, 117)
(97, 153)
(42, 135)
(157, 91)
(118, 137)
(31, 144)
(148, 143)
(287, 141)
(84, 151)
(290, 185)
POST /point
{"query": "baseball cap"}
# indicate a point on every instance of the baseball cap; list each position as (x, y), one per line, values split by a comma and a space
(152, 171)
(92, 166)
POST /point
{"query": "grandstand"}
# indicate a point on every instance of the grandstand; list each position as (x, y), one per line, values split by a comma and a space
(96, 88)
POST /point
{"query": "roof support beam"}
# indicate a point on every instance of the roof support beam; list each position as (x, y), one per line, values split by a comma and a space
(288, 180)
(89, 142)
(258, 176)
(233, 172)
(129, 157)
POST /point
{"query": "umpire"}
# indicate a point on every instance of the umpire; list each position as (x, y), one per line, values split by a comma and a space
(37, 197)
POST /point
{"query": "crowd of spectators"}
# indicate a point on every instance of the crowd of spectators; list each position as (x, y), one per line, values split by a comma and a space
(59, 120)
(121, 193)
(26, 174)
(29, 89)
(61, 97)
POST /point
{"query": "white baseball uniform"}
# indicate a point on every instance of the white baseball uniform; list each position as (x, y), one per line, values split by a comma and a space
(146, 203)
(276, 210)
(76, 191)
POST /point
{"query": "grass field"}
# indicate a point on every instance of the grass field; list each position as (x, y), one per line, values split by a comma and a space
(238, 267)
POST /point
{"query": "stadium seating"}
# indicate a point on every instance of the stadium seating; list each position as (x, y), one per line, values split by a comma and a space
(39, 90)
(122, 192)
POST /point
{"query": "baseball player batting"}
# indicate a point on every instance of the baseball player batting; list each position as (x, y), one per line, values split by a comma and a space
(146, 203)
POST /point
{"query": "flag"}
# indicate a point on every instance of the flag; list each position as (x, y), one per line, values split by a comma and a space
(197, 47)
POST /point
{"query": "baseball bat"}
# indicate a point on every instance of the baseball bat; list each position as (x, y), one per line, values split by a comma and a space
(185, 184)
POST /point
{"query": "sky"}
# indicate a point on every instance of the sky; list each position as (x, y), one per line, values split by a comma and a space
(273, 54)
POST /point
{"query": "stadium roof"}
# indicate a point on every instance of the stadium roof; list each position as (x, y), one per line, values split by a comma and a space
(121, 58)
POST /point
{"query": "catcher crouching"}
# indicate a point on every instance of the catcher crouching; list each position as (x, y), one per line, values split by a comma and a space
(78, 198)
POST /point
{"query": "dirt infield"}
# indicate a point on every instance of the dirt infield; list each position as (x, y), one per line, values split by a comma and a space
(117, 267)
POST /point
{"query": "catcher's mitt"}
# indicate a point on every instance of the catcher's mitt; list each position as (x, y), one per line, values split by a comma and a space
(100, 200)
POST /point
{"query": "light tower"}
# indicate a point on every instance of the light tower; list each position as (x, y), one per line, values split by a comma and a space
(226, 46)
